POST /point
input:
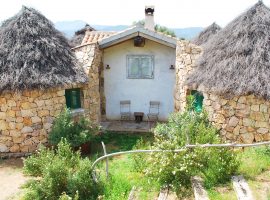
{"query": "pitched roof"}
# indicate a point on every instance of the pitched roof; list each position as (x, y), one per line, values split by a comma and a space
(138, 31)
(34, 55)
(77, 38)
(95, 36)
(206, 34)
(237, 61)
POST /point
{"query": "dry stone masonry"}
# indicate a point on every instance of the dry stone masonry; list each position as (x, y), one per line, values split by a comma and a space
(26, 118)
(243, 119)
(186, 56)
(90, 58)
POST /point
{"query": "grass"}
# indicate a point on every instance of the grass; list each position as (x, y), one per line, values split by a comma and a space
(122, 178)
(119, 141)
(225, 192)
(254, 161)
(122, 175)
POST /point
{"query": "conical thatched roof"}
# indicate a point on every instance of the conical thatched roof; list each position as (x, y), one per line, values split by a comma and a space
(206, 34)
(237, 60)
(34, 55)
(77, 39)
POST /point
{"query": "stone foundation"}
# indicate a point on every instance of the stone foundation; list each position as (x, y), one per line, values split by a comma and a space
(26, 118)
(243, 119)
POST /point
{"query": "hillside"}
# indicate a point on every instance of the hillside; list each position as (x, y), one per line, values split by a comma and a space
(69, 27)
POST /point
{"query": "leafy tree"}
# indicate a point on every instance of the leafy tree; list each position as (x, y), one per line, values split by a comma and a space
(158, 28)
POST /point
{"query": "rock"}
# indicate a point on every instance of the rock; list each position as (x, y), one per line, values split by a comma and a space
(247, 138)
(2, 115)
(233, 121)
(260, 124)
(18, 140)
(14, 148)
(248, 122)
(262, 130)
(35, 119)
(26, 105)
(27, 113)
(3, 148)
(27, 129)
(43, 113)
(266, 137)
(263, 108)
(3, 125)
(255, 108)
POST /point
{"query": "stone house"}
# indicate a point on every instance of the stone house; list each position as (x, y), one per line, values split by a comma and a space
(38, 77)
(137, 64)
(233, 76)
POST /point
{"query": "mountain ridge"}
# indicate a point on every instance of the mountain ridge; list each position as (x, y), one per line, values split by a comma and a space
(69, 28)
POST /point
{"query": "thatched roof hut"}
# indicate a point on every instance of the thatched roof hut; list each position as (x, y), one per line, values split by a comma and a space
(77, 39)
(237, 61)
(34, 55)
(206, 34)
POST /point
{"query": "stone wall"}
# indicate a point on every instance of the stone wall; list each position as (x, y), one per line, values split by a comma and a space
(243, 119)
(27, 117)
(90, 58)
(186, 56)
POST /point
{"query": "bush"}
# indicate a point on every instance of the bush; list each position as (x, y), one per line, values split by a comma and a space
(215, 165)
(76, 133)
(60, 172)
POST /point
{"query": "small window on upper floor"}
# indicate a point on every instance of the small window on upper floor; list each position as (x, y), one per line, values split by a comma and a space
(73, 98)
(140, 66)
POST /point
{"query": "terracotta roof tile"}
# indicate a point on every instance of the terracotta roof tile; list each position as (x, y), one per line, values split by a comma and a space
(94, 36)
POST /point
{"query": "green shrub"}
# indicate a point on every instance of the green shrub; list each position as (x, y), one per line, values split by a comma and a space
(215, 165)
(76, 133)
(64, 173)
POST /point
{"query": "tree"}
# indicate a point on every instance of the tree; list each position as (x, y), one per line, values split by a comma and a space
(158, 28)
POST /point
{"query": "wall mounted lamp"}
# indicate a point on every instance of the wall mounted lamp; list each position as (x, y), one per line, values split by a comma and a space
(172, 67)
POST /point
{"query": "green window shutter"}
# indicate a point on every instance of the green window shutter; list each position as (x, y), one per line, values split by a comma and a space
(198, 100)
(73, 98)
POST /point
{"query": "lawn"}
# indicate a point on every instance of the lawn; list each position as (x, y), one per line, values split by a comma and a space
(254, 165)
(122, 175)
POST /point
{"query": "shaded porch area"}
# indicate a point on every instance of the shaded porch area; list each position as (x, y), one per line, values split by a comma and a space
(127, 126)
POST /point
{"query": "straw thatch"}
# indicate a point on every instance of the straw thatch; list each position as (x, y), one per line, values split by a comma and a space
(237, 60)
(206, 34)
(34, 55)
(77, 39)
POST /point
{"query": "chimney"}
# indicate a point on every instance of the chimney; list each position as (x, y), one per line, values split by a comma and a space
(149, 18)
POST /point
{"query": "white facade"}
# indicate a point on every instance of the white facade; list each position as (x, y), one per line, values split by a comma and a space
(118, 87)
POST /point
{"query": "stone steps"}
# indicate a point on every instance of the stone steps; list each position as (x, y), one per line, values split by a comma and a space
(240, 186)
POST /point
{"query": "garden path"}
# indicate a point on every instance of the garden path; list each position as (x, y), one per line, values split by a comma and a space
(11, 178)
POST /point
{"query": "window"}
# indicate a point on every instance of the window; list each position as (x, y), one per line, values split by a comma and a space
(73, 98)
(140, 66)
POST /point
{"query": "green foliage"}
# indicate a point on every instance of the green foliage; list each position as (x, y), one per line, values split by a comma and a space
(76, 133)
(158, 28)
(215, 165)
(62, 174)
(254, 160)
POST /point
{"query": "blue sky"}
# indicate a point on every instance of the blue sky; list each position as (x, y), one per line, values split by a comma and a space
(170, 13)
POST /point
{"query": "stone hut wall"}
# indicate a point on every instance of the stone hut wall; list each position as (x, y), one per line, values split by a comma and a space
(243, 119)
(90, 58)
(186, 56)
(26, 118)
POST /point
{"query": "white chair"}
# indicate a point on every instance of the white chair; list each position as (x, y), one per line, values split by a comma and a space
(125, 110)
(153, 112)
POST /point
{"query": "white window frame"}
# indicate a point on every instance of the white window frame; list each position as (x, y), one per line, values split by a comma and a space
(140, 76)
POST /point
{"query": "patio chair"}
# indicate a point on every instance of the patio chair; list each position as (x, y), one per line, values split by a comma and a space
(125, 110)
(153, 112)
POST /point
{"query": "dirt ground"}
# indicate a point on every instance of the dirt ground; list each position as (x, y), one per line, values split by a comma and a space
(11, 178)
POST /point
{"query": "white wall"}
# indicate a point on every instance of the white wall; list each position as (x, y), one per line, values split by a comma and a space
(139, 91)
